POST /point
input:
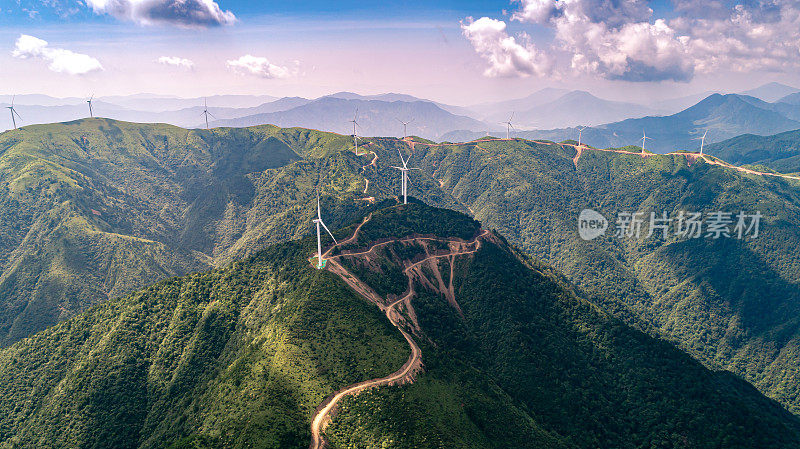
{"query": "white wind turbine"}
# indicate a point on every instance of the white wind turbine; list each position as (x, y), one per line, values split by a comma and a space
(355, 132)
(319, 222)
(509, 126)
(13, 111)
(702, 141)
(405, 126)
(580, 133)
(91, 113)
(644, 139)
(205, 111)
(404, 176)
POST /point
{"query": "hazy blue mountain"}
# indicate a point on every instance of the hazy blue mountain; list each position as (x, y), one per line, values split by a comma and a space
(158, 103)
(579, 108)
(500, 110)
(376, 118)
(790, 99)
(41, 100)
(724, 116)
(771, 91)
(675, 105)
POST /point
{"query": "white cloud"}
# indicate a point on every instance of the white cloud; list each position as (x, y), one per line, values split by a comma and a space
(506, 55)
(258, 66)
(180, 13)
(621, 39)
(61, 61)
(176, 61)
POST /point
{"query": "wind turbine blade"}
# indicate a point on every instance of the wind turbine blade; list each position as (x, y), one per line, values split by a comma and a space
(410, 121)
(14, 111)
(13, 97)
(401, 157)
(319, 210)
(212, 115)
(399, 168)
(329, 231)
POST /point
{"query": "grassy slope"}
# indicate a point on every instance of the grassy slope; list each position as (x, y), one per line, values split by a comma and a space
(731, 304)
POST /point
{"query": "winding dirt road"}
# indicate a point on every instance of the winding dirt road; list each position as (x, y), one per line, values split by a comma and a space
(413, 365)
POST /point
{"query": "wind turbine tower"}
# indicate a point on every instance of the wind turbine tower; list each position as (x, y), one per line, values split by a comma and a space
(405, 126)
(205, 111)
(91, 114)
(644, 139)
(355, 132)
(404, 176)
(580, 133)
(509, 126)
(702, 141)
(319, 222)
(13, 112)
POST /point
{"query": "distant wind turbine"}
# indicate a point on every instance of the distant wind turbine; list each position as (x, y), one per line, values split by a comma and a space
(405, 126)
(404, 176)
(355, 132)
(644, 139)
(580, 133)
(13, 111)
(91, 114)
(702, 141)
(205, 111)
(319, 222)
(509, 126)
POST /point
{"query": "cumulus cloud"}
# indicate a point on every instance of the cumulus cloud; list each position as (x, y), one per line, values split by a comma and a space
(621, 39)
(59, 59)
(180, 13)
(507, 55)
(176, 61)
(259, 66)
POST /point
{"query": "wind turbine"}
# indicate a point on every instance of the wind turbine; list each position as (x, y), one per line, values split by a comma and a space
(319, 222)
(355, 133)
(404, 176)
(91, 114)
(580, 133)
(509, 126)
(405, 126)
(205, 111)
(702, 141)
(644, 139)
(13, 111)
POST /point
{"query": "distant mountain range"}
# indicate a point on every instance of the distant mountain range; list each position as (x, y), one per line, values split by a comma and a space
(375, 117)
(724, 116)
(771, 91)
(546, 114)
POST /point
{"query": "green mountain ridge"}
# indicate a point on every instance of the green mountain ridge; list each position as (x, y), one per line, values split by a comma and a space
(730, 304)
(241, 356)
(780, 152)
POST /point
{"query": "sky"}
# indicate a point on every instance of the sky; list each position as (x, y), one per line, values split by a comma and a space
(456, 51)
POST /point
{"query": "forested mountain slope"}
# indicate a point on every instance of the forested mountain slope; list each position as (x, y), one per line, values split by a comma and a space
(780, 152)
(242, 356)
(731, 303)
(98, 208)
